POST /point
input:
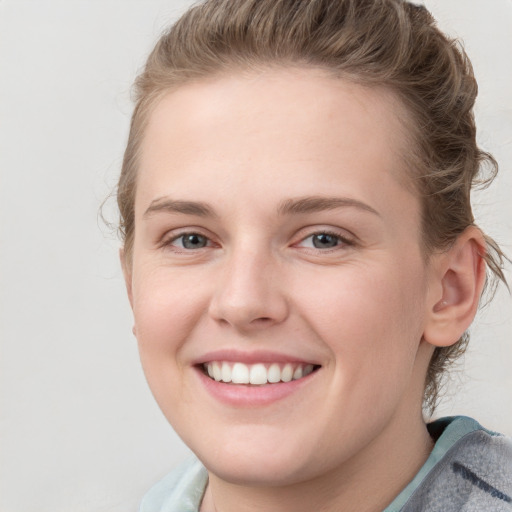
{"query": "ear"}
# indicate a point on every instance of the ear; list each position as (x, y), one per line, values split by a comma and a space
(460, 277)
(127, 272)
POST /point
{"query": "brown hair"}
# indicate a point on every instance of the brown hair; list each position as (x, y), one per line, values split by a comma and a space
(384, 43)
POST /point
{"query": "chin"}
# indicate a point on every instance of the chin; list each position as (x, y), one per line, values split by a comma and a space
(264, 472)
(259, 460)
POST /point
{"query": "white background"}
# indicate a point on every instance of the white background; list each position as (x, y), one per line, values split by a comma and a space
(79, 430)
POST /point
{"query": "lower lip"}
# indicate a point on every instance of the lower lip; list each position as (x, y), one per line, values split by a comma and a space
(244, 395)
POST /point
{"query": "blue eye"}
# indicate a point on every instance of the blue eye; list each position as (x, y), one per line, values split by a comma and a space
(190, 241)
(324, 240)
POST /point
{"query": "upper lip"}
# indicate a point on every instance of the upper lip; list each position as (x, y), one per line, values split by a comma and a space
(250, 357)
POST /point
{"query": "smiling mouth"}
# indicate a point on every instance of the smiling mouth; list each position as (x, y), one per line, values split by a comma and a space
(258, 374)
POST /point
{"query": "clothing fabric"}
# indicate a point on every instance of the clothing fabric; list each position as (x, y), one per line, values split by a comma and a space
(469, 470)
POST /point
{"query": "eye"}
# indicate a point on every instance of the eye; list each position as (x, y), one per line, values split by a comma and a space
(324, 240)
(190, 241)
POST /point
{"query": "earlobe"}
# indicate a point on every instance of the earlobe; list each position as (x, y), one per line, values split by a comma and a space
(461, 275)
(127, 272)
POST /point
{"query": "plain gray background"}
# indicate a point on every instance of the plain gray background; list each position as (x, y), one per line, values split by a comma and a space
(79, 430)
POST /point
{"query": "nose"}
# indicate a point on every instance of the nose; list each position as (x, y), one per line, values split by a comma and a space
(249, 294)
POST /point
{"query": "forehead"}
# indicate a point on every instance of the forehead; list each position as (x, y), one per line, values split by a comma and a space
(292, 98)
(290, 127)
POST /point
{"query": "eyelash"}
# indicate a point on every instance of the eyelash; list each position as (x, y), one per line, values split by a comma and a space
(170, 241)
(342, 241)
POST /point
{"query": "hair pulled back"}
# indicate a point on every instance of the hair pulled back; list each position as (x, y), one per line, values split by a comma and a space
(384, 43)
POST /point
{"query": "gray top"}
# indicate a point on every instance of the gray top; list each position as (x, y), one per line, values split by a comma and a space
(469, 470)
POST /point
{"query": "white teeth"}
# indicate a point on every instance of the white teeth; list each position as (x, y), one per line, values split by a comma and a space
(256, 374)
(240, 374)
(274, 373)
(225, 372)
(217, 372)
(287, 373)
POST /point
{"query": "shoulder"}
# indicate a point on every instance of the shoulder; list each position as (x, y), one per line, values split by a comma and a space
(179, 491)
(472, 471)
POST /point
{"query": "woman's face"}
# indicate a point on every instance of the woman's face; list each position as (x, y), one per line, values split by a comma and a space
(275, 237)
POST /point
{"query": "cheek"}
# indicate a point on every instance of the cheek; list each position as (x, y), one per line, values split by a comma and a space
(371, 318)
(167, 307)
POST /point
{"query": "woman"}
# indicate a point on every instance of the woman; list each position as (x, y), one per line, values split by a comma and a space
(302, 260)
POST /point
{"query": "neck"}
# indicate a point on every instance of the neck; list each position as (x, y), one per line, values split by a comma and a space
(366, 483)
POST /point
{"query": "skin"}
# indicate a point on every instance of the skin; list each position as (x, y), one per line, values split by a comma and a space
(369, 310)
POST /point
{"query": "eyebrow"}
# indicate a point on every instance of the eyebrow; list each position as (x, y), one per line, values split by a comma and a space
(301, 205)
(312, 204)
(165, 204)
